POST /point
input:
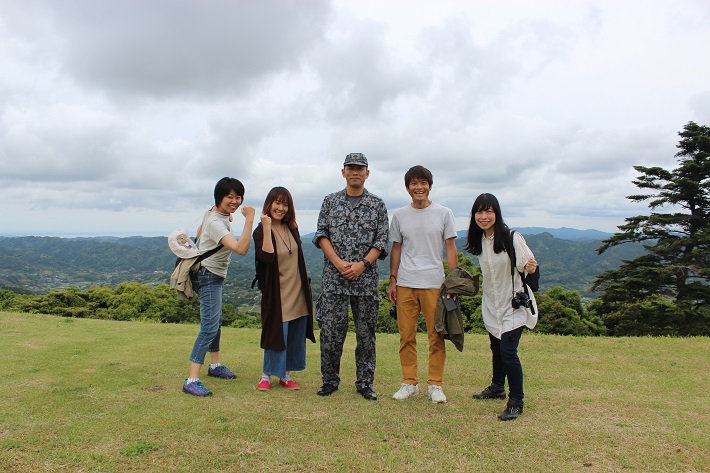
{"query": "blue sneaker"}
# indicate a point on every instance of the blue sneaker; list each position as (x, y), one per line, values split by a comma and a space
(196, 388)
(221, 372)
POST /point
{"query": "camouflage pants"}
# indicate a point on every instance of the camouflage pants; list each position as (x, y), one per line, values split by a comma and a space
(332, 316)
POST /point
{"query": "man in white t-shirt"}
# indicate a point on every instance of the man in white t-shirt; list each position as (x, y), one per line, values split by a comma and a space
(420, 231)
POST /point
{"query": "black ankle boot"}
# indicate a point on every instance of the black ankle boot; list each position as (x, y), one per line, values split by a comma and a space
(513, 410)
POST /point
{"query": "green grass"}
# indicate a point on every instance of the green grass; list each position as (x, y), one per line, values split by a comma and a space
(90, 395)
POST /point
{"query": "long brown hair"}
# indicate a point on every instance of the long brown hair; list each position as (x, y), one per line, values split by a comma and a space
(282, 194)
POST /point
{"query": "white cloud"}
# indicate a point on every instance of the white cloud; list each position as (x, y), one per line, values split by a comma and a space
(183, 48)
(120, 116)
(65, 142)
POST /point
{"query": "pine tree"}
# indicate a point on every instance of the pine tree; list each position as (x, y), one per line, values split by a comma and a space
(665, 291)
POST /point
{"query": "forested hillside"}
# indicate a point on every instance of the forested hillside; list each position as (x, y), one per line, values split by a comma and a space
(573, 265)
(39, 264)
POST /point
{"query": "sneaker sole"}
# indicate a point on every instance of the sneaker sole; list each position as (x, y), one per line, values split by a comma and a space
(404, 398)
(506, 419)
(487, 398)
(196, 395)
(221, 377)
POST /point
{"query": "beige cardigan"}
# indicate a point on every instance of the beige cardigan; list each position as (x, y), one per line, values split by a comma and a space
(180, 279)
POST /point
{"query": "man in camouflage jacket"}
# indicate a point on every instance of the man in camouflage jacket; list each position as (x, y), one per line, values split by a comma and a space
(353, 232)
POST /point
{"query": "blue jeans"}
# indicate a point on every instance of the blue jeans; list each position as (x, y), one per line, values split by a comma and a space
(293, 358)
(209, 287)
(506, 362)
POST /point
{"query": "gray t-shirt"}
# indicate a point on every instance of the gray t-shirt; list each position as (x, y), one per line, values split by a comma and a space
(353, 199)
(422, 233)
(215, 226)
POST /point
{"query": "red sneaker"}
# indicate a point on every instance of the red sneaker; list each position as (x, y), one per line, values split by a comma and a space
(290, 384)
(264, 385)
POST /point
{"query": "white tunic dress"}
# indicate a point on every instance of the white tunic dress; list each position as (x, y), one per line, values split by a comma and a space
(498, 313)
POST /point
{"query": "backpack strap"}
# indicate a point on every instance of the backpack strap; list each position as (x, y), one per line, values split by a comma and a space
(207, 254)
(531, 280)
(203, 255)
(511, 254)
(513, 267)
(513, 263)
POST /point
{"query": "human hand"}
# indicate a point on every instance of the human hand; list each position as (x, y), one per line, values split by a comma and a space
(248, 212)
(392, 293)
(342, 267)
(531, 266)
(354, 271)
(265, 221)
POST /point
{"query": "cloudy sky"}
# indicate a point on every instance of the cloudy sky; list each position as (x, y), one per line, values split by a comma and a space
(118, 117)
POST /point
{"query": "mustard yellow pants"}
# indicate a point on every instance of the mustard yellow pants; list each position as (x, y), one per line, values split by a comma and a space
(410, 303)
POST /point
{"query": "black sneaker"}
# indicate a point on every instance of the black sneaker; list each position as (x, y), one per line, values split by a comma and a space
(491, 392)
(512, 411)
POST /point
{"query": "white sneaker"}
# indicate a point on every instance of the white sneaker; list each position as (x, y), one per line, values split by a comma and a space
(436, 394)
(406, 391)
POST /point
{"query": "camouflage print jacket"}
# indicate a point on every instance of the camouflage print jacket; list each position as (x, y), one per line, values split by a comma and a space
(352, 232)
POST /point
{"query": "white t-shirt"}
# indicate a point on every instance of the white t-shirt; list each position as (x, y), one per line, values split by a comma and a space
(215, 226)
(422, 233)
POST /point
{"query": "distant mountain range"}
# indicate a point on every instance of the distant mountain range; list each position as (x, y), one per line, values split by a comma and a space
(563, 233)
(40, 264)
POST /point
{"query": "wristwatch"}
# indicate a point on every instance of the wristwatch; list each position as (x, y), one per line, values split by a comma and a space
(367, 264)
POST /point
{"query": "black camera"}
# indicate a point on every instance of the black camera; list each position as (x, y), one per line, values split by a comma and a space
(393, 312)
(520, 299)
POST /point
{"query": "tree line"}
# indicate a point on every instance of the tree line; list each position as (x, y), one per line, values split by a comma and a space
(661, 287)
(564, 313)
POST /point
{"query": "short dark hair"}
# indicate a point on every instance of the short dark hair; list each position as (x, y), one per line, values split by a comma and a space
(225, 186)
(418, 172)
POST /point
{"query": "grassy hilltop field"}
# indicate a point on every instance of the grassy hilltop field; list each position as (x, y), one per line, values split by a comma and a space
(87, 395)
